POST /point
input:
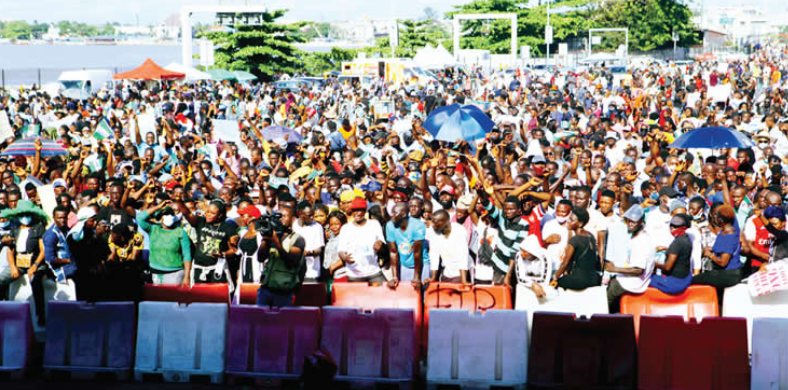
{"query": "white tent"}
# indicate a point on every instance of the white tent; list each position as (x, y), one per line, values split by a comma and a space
(600, 57)
(433, 57)
(191, 73)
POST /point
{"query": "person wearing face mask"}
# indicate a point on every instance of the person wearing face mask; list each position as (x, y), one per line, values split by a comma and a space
(26, 256)
(89, 251)
(171, 262)
(556, 233)
(677, 268)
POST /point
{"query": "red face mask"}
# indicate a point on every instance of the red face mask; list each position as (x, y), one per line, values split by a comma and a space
(678, 232)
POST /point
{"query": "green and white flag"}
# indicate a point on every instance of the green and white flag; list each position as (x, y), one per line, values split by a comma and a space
(31, 131)
(103, 130)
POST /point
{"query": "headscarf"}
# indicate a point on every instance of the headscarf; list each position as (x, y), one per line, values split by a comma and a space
(78, 231)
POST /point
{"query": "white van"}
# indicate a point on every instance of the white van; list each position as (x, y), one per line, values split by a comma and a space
(89, 81)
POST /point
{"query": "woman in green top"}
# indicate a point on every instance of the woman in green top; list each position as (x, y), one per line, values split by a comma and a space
(170, 254)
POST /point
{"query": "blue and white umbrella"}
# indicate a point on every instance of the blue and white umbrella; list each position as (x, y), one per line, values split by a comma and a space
(712, 138)
(455, 122)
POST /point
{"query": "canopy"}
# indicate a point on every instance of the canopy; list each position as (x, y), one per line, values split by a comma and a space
(241, 75)
(191, 73)
(437, 57)
(149, 70)
(600, 57)
(221, 74)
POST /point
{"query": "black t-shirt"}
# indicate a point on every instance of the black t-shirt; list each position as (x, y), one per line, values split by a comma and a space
(682, 248)
(114, 216)
(585, 257)
(211, 238)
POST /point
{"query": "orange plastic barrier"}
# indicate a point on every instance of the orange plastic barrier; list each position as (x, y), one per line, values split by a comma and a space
(595, 353)
(363, 296)
(674, 354)
(696, 302)
(310, 294)
(199, 293)
(459, 296)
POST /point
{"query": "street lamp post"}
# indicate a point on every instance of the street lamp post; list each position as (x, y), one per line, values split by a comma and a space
(675, 38)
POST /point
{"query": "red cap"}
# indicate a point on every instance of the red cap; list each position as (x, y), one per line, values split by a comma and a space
(448, 189)
(171, 185)
(358, 204)
(251, 211)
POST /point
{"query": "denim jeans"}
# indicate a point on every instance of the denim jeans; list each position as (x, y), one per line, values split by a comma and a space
(267, 298)
(5, 283)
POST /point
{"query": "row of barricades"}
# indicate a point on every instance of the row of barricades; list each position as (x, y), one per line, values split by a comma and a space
(180, 342)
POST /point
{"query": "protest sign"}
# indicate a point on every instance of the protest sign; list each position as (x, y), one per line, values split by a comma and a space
(48, 199)
(147, 124)
(774, 279)
(5, 127)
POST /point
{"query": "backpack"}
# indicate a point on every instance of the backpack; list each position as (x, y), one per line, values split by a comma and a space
(277, 275)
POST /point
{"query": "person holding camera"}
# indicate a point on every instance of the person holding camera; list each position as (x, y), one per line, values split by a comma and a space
(282, 251)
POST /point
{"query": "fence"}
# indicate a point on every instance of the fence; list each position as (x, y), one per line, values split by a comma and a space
(14, 78)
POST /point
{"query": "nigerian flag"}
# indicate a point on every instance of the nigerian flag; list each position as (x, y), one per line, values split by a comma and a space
(103, 130)
(31, 131)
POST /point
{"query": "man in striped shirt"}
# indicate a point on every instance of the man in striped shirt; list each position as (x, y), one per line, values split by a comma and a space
(512, 230)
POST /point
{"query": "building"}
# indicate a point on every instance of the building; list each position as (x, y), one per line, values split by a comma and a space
(740, 24)
(170, 28)
(133, 30)
(363, 31)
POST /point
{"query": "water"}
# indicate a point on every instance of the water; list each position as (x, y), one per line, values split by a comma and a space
(22, 63)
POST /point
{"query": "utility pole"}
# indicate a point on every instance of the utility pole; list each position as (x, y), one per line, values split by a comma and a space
(675, 37)
(548, 36)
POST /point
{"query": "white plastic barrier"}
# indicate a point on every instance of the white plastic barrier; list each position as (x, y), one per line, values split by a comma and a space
(588, 302)
(770, 354)
(21, 290)
(486, 349)
(737, 302)
(178, 341)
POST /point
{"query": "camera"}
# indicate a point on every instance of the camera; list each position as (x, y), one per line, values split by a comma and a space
(269, 223)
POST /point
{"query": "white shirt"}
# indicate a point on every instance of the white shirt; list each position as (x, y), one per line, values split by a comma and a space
(641, 255)
(555, 252)
(358, 241)
(451, 251)
(314, 239)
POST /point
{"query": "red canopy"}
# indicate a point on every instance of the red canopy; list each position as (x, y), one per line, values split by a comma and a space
(149, 71)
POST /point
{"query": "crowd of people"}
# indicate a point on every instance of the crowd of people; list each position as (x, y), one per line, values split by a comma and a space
(574, 187)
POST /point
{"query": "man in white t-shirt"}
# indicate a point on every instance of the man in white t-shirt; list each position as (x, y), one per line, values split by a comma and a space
(314, 238)
(634, 275)
(359, 243)
(448, 246)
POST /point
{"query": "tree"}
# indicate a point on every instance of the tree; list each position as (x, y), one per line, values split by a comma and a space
(263, 50)
(318, 63)
(413, 35)
(650, 23)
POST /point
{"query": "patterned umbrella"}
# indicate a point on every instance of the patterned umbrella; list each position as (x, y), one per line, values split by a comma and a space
(27, 147)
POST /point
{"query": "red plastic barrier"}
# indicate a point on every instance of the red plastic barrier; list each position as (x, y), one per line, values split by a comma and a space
(268, 343)
(199, 293)
(459, 296)
(695, 302)
(566, 352)
(310, 294)
(378, 347)
(674, 354)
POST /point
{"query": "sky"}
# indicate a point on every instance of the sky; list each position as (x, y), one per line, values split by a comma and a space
(154, 11)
